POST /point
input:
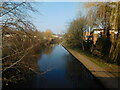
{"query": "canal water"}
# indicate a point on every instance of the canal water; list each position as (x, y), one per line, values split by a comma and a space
(57, 68)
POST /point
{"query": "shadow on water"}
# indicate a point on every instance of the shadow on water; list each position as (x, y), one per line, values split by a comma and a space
(79, 75)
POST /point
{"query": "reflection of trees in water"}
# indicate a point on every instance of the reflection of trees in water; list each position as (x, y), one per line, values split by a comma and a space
(49, 49)
(78, 75)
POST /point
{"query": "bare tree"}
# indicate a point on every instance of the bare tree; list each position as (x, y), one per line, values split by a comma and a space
(20, 40)
(74, 35)
(107, 16)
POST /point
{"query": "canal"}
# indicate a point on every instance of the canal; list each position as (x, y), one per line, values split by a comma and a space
(59, 69)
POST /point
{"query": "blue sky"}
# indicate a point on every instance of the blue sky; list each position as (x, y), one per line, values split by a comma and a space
(55, 16)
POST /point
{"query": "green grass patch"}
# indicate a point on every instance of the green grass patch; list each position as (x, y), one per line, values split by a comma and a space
(112, 67)
(94, 59)
(100, 62)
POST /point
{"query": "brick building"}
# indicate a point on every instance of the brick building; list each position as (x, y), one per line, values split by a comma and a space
(96, 33)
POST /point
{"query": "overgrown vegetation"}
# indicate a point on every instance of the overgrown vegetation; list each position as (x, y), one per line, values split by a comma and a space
(74, 36)
(21, 43)
(104, 15)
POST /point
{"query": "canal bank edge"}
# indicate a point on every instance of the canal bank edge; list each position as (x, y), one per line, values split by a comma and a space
(103, 76)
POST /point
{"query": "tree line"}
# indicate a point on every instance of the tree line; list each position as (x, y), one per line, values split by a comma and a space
(103, 15)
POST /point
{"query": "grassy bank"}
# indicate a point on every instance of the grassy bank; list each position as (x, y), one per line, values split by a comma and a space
(111, 68)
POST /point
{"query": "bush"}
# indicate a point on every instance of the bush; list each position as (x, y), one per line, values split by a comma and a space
(102, 47)
(88, 45)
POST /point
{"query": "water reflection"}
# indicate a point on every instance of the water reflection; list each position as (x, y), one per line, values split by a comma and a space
(78, 75)
(60, 69)
(49, 49)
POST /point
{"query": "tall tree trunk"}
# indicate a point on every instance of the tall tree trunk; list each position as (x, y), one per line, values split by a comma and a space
(115, 47)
